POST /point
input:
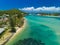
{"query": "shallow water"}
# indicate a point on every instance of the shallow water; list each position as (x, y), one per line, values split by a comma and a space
(46, 29)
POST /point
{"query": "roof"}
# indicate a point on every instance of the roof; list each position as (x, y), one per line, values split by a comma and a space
(1, 30)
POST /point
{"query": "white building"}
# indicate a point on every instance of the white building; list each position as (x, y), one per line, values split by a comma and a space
(1, 30)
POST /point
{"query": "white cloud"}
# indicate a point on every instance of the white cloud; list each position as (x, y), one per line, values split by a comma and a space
(28, 8)
(41, 9)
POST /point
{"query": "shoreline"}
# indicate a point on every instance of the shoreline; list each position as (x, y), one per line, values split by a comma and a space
(10, 36)
(53, 16)
(19, 30)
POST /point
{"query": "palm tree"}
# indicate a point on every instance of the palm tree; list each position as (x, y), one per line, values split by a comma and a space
(14, 14)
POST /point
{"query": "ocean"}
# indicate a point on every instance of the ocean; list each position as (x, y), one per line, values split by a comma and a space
(46, 29)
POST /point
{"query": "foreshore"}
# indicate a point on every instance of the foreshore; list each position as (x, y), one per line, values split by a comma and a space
(53, 16)
(19, 30)
(9, 36)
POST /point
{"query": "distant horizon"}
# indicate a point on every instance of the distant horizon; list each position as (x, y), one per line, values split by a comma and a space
(49, 6)
(43, 9)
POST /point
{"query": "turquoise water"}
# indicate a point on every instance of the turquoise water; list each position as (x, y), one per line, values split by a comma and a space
(46, 29)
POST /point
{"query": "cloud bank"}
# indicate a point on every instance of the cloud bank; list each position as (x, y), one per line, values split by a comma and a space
(41, 9)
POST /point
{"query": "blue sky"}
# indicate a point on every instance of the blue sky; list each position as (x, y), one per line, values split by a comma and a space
(8, 4)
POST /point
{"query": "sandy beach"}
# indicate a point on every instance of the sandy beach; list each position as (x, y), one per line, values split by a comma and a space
(18, 30)
(8, 36)
(53, 16)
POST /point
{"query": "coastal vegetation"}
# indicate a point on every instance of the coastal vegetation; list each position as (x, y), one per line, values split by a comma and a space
(10, 20)
(49, 14)
(13, 16)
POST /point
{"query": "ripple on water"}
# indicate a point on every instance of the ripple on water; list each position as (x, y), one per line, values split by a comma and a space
(40, 28)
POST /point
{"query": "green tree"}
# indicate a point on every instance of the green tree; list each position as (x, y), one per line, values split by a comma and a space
(14, 15)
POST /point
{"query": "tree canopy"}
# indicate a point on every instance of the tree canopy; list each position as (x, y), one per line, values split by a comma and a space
(13, 16)
(12, 12)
